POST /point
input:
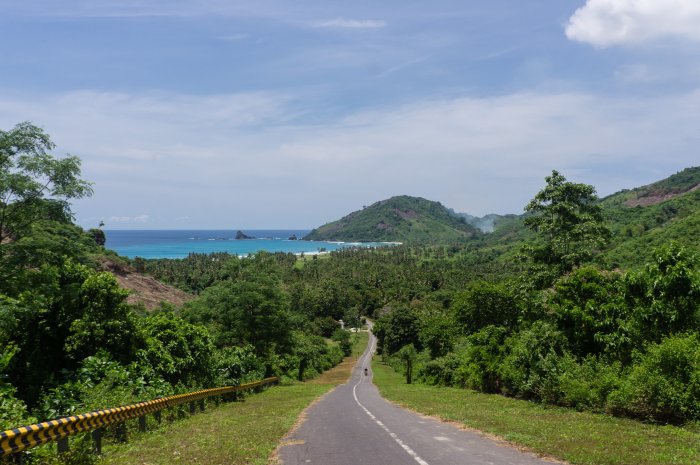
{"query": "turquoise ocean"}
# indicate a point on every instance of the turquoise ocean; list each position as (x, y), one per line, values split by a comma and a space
(180, 243)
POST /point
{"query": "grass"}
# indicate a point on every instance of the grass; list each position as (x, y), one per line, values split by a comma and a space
(236, 433)
(577, 437)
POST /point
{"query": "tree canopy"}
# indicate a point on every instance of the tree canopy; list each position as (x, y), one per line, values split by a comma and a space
(569, 223)
(29, 175)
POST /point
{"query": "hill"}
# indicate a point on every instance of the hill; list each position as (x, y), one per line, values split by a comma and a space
(398, 219)
(640, 219)
(647, 217)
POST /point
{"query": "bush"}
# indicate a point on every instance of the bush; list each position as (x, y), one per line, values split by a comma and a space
(237, 365)
(666, 295)
(531, 369)
(586, 385)
(587, 309)
(342, 337)
(483, 359)
(440, 371)
(664, 382)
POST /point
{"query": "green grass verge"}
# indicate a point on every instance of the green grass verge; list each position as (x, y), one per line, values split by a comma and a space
(235, 433)
(577, 437)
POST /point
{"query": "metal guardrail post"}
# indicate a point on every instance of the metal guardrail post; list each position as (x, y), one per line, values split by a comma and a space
(121, 432)
(18, 458)
(97, 440)
(158, 416)
(202, 405)
(142, 423)
(192, 408)
(62, 445)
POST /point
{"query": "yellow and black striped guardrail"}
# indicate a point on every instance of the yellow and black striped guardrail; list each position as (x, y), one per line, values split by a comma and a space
(19, 439)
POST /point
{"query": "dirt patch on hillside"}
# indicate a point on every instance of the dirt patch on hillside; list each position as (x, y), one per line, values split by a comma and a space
(406, 215)
(655, 197)
(145, 289)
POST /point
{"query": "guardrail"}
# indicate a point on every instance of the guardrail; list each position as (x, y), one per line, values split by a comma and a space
(16, 440)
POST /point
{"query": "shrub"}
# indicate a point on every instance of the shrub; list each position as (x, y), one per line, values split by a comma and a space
(531, 369)
(586, 385)
(664, 382)
(440, 371)
(482, 360)
(588, 311)
(342, 337)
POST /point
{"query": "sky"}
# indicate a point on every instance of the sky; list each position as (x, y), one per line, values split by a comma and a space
(224, 114)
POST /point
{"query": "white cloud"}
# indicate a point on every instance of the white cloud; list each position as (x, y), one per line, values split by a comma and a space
(246, 161)
(343, 23)
(128, 219)
(605, 23)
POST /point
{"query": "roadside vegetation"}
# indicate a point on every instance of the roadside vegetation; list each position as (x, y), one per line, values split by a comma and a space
(577, 437)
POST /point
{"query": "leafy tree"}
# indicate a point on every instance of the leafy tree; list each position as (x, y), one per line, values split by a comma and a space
(70, 312)
(397, 329)
(251, 311)
(98, 236)
(484, 304)
(588, 307)
(29, 175)
(178, 351)
(103, 320)
(665, 296)
(569, 222)
(437, 331)
(407, 354)
(664, 382)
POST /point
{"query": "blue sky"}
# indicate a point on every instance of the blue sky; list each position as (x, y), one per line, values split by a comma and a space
(225, 114)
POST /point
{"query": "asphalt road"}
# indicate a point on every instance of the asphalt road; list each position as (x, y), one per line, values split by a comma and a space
(354, 425)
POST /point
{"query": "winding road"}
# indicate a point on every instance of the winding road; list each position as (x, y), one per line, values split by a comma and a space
(354, 425)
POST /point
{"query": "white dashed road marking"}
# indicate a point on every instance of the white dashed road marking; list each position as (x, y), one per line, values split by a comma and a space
(405, 447)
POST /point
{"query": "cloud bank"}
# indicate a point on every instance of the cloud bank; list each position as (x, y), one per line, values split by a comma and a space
(605, 23)
(209, 157)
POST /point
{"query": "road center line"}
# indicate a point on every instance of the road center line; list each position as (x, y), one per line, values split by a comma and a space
(403, 445)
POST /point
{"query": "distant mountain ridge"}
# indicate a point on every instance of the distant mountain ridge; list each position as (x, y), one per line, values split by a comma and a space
(398, 219)
(486, 223)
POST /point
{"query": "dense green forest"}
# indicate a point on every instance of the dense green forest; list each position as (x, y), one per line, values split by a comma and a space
(579, 302)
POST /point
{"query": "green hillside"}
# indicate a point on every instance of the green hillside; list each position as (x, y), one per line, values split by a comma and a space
(398, 219)
(647, 217)
(640, 219)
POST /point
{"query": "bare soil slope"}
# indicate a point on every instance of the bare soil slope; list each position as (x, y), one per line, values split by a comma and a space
(145, 289)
